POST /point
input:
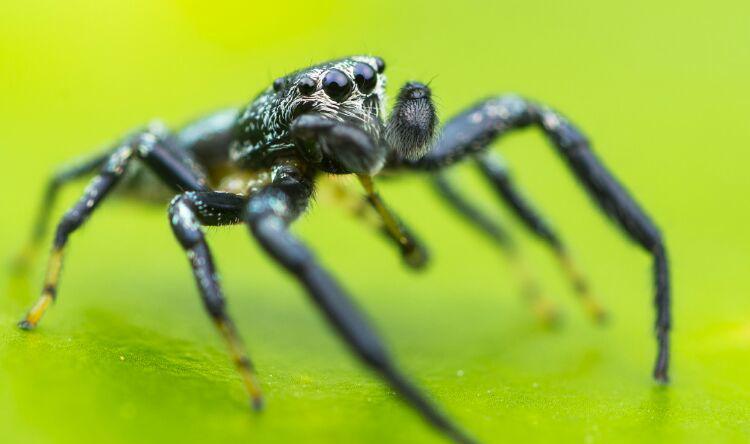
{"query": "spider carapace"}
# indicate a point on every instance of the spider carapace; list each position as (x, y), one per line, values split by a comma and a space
(258, 166)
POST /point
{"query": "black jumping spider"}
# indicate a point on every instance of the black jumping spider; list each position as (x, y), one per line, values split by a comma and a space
(258, 166)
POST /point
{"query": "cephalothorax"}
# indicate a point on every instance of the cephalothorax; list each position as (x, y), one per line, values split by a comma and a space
(259, 165)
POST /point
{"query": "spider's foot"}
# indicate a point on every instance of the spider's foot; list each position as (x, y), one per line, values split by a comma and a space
(661, 377)
(661, 370)
(594, 310)
(37, 311)
(415, 256)
(257, 404)
(242, 362)
(24, 324)
(551, 318)
(250, 380)
(661, 374)
(591, 304)
(547, 313)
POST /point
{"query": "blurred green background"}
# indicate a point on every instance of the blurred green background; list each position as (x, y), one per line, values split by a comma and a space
(127, 355)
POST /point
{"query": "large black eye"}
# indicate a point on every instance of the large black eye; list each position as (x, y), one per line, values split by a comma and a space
(380, 64)
(306, 86)
(337, 85)
(365, 77)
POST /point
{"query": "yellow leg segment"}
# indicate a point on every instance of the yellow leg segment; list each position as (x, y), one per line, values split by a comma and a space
(413, 253)
(242, 362)
(543, 308)
(592, 306)
(48, 292)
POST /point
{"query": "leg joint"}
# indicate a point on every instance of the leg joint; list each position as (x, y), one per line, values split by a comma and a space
(184, 222)
(272, 233)
(215, 305)
(73, 219)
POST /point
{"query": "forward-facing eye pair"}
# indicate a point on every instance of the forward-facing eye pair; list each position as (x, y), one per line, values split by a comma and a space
(337, 85)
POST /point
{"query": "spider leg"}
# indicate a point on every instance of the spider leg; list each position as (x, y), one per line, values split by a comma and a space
(268, 214)
(414, 253)
(145, 145)
(412, 250)
(496, 172)
(470, 133)
(188, 213)
(543, 308)
(354, 150)
(26, 257)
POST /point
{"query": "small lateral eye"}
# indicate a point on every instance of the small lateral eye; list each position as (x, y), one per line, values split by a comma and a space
(365, 77)
(380, 65)
(306, 86)
(337, 85)
(278, 84)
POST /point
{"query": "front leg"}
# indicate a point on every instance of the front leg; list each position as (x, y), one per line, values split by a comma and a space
(268, 214)
(413, 251)
(342, 148)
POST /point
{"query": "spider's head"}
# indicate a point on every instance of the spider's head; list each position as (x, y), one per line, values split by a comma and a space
(350, 90)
